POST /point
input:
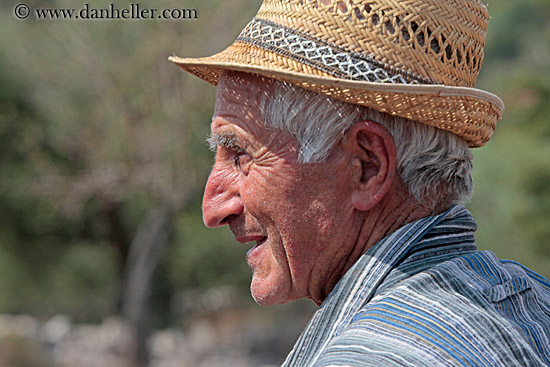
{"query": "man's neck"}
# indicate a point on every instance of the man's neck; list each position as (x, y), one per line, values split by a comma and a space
(394, 211)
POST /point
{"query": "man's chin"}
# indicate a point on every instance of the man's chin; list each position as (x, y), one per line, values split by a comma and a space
(268, 295)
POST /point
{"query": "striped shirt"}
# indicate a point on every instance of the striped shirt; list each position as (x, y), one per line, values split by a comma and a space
(424, 296)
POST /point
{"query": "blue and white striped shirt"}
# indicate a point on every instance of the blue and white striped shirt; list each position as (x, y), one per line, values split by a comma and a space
(424, 296)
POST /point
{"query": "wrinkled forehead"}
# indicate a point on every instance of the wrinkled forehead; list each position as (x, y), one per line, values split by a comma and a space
(243, 105)
(243, 94)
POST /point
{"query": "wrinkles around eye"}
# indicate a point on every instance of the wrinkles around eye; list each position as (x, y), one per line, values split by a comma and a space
(243, 161)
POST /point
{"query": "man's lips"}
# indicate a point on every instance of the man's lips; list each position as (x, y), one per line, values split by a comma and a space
(258, 244)
(259, 239)
(249, 238)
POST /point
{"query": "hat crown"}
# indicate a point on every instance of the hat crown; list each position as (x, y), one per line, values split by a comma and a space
(415, 41)
(417, 59)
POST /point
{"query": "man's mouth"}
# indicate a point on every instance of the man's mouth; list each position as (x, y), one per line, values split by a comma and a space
(258, 239)
(258, 244)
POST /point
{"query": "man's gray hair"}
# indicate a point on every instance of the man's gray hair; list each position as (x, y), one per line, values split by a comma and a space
(433, 164)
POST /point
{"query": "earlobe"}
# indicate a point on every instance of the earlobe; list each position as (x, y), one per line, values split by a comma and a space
(374, 161)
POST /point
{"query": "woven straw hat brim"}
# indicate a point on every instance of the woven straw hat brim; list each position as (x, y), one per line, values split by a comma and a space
(467, 112)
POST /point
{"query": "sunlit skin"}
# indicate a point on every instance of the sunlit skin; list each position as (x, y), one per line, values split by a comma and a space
(308, 223)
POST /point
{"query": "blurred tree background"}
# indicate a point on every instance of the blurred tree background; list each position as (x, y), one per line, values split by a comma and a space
(512, 173)
(103, 158)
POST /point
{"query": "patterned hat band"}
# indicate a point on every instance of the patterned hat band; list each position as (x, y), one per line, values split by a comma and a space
(322, 55)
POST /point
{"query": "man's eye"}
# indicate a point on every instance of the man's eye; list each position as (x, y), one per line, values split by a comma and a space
(242, 161)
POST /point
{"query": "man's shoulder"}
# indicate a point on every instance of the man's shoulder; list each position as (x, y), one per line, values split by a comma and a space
(450, 315)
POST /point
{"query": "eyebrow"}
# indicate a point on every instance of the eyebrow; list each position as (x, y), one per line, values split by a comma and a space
(227, 139)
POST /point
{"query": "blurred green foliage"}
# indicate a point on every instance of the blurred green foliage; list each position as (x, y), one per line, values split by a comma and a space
(512, 174)
(97, 128)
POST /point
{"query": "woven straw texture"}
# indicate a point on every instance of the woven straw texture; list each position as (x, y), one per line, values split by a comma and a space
(417, 59)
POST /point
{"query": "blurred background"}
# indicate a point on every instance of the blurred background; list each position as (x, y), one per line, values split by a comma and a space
(104, 260)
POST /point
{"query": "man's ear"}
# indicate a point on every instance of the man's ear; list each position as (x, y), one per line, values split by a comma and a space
(373, 162)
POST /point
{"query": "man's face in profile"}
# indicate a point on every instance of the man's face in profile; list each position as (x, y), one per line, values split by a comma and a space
(295, 214)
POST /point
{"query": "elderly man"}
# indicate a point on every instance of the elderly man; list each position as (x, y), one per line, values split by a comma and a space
(342, 132)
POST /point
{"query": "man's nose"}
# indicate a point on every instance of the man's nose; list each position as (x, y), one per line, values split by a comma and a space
(221, 198)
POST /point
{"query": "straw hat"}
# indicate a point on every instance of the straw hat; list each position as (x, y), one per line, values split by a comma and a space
(418, 59)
